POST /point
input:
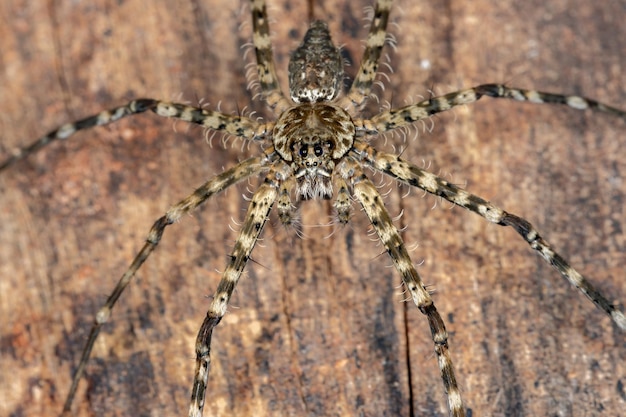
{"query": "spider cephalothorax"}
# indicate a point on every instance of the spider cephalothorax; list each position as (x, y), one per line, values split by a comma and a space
(311, 138)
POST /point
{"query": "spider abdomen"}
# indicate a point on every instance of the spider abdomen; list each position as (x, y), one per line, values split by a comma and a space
(316, 67)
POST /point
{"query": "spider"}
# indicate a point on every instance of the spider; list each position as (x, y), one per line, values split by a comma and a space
(321, 188)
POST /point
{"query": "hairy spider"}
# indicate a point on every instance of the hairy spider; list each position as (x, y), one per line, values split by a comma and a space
(314, 181)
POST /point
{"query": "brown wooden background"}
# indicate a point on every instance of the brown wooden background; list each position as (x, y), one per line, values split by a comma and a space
(317, 326)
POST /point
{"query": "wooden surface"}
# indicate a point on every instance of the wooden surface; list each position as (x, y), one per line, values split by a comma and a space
(317, 326)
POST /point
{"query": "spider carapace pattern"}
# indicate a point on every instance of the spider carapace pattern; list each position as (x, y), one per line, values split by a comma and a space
(318, 147)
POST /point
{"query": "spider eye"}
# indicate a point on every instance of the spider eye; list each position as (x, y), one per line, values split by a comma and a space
(304, 151)
(318, 149)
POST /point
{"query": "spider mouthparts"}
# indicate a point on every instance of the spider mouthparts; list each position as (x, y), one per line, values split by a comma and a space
(314, 183)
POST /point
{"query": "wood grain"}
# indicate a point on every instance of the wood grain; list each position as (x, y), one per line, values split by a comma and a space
(317, 326)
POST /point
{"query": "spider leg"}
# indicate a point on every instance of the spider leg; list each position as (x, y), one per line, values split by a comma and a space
(218, 183)
(264, 57)
(258, 212)
(284, 205)
(235, 125)
(362, 84)
(407, 115)
(342, 202)
(573, 101)
(371, 200)
(406, 172)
